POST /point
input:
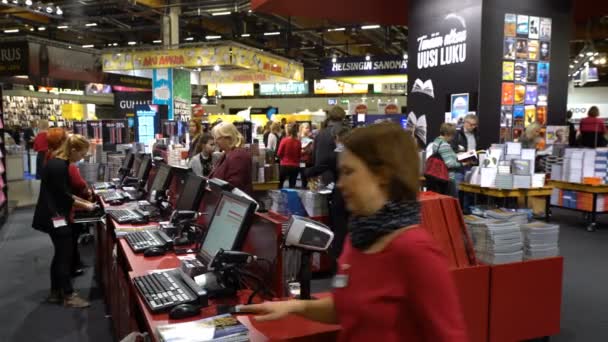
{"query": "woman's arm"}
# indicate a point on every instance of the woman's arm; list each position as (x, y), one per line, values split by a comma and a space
(449, 157)
(321, 310)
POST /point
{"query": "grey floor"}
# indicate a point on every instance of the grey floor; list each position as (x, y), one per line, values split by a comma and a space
(25, 256)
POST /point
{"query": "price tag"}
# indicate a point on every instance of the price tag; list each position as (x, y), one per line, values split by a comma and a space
(59, 222)
(302, 165)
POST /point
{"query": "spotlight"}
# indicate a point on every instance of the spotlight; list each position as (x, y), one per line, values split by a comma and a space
(367, 57)
(216, 68)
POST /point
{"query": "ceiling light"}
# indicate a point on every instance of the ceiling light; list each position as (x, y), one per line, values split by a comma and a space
(581, 54)
(16, 2)
(115, 44)
(41, 28)
(158, 41)
(88, 46)
(571, 66)
(370, 27)
(249, 11)
(367, 57)
(215, 14)
(575, 61)
(189, 39)
(5, 1)
(405, 55)
(132, 43)
(336, 29)
(590, 53)
(245, 35)
(333, 60)
(603, 60)
(91, 25)
(276, 33)
(597, 53)
(62, 27)
(29, 2)
(69, 46)
(58, 11)
(216, 68)
(11, 31)
(213, 37)
(49, 9)
(31, 29)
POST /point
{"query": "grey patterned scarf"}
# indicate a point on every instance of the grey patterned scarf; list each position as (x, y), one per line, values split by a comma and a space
(365, 230)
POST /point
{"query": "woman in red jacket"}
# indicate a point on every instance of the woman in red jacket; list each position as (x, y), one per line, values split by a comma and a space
(235, 165)
(290, 154)
(393, 282)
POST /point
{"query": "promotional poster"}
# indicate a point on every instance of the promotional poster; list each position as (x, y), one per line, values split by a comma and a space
(80, 127)
(530, 115)
(557, 135)
(94, 130)
(521, 71)
(520, 93)
(509, 48)
(522, 26)
(532, 72)
(508, 70)
(114, 132)
(508, 93)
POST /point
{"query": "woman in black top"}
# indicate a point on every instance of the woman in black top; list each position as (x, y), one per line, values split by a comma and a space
(52, 216)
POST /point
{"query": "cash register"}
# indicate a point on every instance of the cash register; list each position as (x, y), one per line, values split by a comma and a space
(228, 229)
(123, 172)
(137, 183)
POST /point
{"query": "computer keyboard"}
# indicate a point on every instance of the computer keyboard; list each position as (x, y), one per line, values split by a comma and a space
(103, 186)
(164, 290)
(112, 196)
(127, 216)
(140, 241)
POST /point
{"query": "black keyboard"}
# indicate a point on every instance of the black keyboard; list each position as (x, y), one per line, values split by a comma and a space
(140, 241)
(164, 290)
(103, 186)
(113, 196)
(127, 216)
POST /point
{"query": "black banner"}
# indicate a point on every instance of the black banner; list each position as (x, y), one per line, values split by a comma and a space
(169, 128)
(444, 57)
(14, 59)
(94, 130)
(114, 133)
(80, 127)
(127, 81)
(361, 66)
(125, 102)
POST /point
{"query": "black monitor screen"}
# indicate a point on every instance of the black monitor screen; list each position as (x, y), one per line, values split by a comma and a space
(128, 163)
(144, 168)
(162, 178)
(136, 165)
(229, 225)
(191, 194)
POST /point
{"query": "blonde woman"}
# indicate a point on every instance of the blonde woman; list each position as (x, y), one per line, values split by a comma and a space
(274, 136)
(53, 215)
(234, 166)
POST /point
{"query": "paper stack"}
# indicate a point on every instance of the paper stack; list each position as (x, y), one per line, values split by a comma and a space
(538, 180)
(520, 167)
(504, 167)
(222, 328)
(488, 176)
(496, 241)
(556, 172)
(507, 215)
(574, 165)
(601, 164)
(589, 163)
(522, 182)
(314, 203)
(541, 240)
(513, 149)
(556, 196)
(279, 202)
(529, 154)
(504, 181)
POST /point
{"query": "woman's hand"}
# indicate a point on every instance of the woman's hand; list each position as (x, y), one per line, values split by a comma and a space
(270, 311)
(90, 206)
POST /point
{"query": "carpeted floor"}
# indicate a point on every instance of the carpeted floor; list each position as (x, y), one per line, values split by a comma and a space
(25, 256)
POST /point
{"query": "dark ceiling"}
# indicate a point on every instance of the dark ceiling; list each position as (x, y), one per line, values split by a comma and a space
(114, 23)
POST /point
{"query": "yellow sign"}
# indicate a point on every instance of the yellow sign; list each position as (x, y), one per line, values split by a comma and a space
(258, 61)
(231, 89)
(238, 76)
(72, 111)
(157, 59)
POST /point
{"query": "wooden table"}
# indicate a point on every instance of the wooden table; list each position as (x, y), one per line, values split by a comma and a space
(510, 193)
(266, 186)
(586, 188)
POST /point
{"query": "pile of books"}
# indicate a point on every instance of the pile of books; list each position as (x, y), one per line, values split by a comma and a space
(541, 240)
(504, 181)
(517, 217)
(222, 328)
(495, 241)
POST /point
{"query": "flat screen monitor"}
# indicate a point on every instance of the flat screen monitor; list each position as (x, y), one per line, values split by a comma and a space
(162, 179)
(228, 227)
(128, 162)
(136, 164)
(192, 193)
(212, 197)
(144, 168)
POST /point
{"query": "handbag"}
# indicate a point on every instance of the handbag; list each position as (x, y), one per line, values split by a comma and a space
(435, 168)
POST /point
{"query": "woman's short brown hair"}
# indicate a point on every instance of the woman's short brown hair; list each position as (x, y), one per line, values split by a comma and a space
(447, 129)
(593, 112)
(337, 113)
(397, 161)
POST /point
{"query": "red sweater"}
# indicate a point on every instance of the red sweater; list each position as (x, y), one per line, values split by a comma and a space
(235, 168)
(290, 152)
(591, 124)
(403, 293)
(40, 143)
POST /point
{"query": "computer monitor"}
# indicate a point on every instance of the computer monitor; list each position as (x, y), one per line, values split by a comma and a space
(136, 164)
(128, 162)
(192, 193)
(228, 227)
(162, 179)
(212, 197)
(144, 169)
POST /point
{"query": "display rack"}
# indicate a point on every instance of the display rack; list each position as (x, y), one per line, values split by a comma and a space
(3, 181)
(590, 191)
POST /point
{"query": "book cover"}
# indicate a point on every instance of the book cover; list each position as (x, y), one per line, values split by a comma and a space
(508, 90)
(217, 328)
(543, 73)
(521, 71)
(509, 48)
(557, 134)
(532, 72)
(522, 26)
(543, 95)
(520, 94)
(510, 24)
(530, 115)
(506, 116)
(545, 29)
(533, 50)
(541, 115)
(521, 49)
(544, 51)
(531, 94)
(534, 28)
(508, 69)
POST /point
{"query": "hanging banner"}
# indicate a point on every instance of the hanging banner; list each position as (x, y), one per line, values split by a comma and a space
(67, 64)
(238, 76)
(337, 87)
(230, 89)
(361, 66)
(291, 88)
(174, 58)
(182, 94)
(14, 59)
(256, 60)
(94, 129)
(114, 132)
(127, 81)
(162, 86)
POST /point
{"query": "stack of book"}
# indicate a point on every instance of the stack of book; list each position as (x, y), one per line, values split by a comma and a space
(496, 241)
(601, 164)
(504, 181)
(573, 165)
(222, 328)
(522, 182)
(538, 180)
(517, 217)
(541, 240)
(314, 203)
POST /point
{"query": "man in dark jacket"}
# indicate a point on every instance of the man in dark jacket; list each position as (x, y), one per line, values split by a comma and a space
(326, 166)
(467, 137)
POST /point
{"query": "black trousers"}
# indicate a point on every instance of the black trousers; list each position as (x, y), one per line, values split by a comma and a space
(303, 176)
(288, 172)
(39, 164)
(76, 231)
(61, 265)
